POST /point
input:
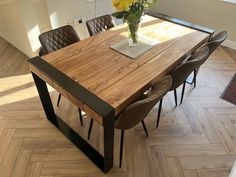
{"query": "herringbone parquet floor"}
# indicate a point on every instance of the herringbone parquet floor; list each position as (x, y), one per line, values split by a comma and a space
(196, 139)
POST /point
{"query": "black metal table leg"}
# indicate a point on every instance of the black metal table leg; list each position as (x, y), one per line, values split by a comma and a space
(100, 107)
(45, 98)
(104, 163)
(108, 131)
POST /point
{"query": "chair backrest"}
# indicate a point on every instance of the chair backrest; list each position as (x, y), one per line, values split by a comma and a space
(213, 43)
(99, 24)
(41, 52)
(58, 38)
(182, 71)
(137, 111)
(216, 41)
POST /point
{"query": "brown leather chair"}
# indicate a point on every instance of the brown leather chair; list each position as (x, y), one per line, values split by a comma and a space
(56, 39)
(99, 24)
(137, 111)
(182, 71)
(213, 43)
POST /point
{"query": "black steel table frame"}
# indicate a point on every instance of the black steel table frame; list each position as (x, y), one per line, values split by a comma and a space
(105, 163)
(95, 103)
(182, 22)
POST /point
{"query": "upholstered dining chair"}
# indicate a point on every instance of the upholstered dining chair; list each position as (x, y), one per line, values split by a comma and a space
(99, 24)
(56, 39)
(182, 71)
(213, 43)
(137, 111)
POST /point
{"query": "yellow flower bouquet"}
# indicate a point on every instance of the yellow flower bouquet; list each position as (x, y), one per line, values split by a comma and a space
(131, 12)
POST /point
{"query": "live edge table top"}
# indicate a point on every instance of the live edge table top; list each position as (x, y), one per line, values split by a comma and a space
(115, 78)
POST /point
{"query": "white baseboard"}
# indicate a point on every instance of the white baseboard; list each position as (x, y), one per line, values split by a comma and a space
(230, 44)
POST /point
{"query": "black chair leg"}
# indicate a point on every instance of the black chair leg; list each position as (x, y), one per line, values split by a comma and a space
(175, 94)
(159, 112)
(58, 99)
(121, 145)
(90, 128)
(182, 95)
(144, 127)
(80, 116)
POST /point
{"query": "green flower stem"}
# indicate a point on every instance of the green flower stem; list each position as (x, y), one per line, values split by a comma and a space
(133, 29)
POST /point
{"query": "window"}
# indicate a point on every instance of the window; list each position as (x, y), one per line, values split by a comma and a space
(230, 1)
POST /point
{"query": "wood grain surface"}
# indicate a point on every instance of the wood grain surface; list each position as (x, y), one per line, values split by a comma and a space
(115, 78)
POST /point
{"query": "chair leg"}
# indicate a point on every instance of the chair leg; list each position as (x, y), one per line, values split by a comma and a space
(144, 127)
(90, 128)
(58, 99)
(175, 94)
(159, 112)
(182, 95)
(121, 146)
(80, 116)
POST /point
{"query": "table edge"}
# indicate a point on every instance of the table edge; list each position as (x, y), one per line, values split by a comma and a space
(78, 91)
(181, 22)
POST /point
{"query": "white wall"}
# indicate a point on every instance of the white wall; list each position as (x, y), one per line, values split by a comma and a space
(23, 20)
(210, 13)
(12, 27)
(63, 12)
(35, 19)
(21, 23)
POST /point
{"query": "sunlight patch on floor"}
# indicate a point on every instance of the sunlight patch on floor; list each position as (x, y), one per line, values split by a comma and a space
(17, 88)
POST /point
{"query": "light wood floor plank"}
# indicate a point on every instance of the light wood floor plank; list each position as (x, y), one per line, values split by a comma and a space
(34, 169)
(194, 150)
(160, 166)
(66, 154)
(175, 167)
(221, 172)
(5, 139)
(68, 167)
(205, 124)
(190, 173)
(22, 163)
(8, 162)
(205, 162)
(186, 139)
(222, 133)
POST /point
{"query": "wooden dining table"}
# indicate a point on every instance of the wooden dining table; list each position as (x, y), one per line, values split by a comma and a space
(102, 82)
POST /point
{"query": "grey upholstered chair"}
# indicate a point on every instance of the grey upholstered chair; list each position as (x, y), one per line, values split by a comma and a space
(99, 24)
(213, 43)
(137, 111)
(182, 71)
(56, 39)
